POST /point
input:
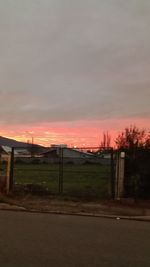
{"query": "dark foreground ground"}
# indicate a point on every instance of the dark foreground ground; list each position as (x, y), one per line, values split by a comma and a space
(61, 204)
(32, 239)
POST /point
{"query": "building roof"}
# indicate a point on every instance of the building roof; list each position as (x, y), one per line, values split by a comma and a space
(75, 151)
(17, 152)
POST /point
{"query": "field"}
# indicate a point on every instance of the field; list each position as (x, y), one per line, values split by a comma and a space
(87, 180)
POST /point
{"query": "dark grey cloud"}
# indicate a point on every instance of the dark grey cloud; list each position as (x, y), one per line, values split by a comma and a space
(64, 60)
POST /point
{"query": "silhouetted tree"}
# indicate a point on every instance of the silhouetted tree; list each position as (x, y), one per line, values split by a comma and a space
(133, 137)
(106, 142)
(147, 143)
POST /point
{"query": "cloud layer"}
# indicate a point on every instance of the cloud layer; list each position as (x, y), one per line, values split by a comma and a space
(65, 60)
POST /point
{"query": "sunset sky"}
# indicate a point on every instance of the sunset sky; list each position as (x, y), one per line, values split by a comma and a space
(72, 69)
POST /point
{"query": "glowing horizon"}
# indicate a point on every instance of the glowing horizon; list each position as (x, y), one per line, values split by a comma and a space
(78, 134)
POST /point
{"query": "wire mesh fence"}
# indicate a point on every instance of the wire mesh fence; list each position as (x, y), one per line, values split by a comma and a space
(75, 172)
(137, 173)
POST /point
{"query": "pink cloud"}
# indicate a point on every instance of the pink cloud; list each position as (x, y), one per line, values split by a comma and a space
(82, 133)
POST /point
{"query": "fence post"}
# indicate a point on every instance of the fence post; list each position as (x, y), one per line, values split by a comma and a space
(8, 174)
(119, 179)
(60, 170)
(112, 174)
(11, 170)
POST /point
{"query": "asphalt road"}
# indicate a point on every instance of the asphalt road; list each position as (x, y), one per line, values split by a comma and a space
(41, 240)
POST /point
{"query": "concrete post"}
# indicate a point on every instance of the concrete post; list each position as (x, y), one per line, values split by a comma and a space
(119, 179)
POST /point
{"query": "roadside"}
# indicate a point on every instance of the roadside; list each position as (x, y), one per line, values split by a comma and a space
(126, 208)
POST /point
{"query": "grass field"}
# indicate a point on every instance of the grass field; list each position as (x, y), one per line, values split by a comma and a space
(87, 180)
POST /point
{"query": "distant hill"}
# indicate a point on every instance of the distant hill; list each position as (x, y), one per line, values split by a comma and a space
(13, 143)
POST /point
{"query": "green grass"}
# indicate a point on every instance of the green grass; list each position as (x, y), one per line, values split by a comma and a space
(78, 180)
(38, 174)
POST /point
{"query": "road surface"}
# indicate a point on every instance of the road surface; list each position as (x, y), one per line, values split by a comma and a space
(44, 240)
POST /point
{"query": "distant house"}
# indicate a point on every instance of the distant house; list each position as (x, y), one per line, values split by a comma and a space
(54, 152)
(3, 152)
(69, 155)
(18, 152)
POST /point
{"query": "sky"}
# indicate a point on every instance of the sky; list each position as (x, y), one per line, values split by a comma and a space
(72, 69)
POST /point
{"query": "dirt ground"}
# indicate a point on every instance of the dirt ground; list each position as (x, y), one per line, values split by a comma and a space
(124, 207)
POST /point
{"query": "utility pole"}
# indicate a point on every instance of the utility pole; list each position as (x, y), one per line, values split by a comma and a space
(32, 142)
